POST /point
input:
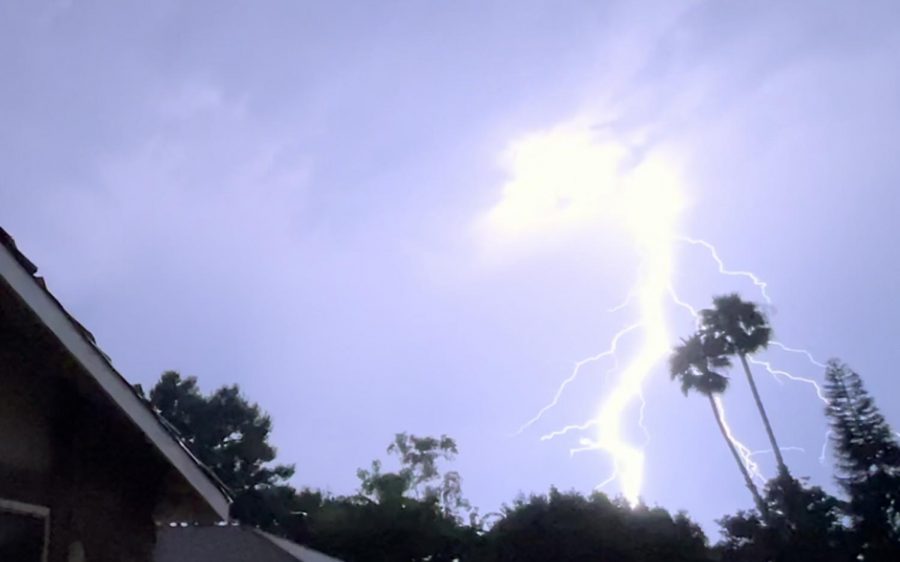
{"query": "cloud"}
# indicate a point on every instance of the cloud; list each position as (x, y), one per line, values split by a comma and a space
(209, 182)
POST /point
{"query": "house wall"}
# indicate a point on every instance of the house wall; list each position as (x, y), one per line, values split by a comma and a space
(105, 488)
(25, 431)
(63, 447)
(26, 434)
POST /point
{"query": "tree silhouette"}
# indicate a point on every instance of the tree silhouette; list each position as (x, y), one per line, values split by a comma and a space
(692, 364)
(743, 330)
(573, 528)
(419, 475)
(412, 514)
(399, 529)
(415, 513)
(868, 463)
(803, 524)
(230, 436)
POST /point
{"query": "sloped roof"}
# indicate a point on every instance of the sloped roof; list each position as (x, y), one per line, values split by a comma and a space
(299, 552)
(20, 274)
(229, 543)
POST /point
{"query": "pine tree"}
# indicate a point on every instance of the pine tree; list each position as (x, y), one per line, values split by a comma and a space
(867, 463)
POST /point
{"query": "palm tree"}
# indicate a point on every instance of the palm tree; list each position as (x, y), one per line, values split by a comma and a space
(743, 330)
(692, 363)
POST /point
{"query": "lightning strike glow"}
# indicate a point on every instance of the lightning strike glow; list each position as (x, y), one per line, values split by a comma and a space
(650, 295)
(563, 178)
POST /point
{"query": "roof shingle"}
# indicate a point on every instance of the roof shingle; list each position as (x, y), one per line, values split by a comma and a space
(229, 543)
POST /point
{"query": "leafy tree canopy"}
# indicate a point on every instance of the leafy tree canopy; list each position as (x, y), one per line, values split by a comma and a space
(803, 523)
(575, 528)
(231, 436)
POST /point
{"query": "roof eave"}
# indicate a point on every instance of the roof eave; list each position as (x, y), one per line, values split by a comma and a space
(18, 272)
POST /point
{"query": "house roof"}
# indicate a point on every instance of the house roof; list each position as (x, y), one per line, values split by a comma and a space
(21, 275)
(229, 543)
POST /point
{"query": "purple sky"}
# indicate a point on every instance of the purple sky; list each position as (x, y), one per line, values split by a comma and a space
(283, 194)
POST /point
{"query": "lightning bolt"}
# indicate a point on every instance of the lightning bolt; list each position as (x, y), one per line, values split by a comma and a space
(825, 445)
(776, 373)
(569, 428)
(782, 449)
(743, 451)
(804, 352)
(809, 356)
(782, 373)
(683, 304)
(576, 371)
(828, 435)
(650, 293)
(714, 253)
(652, 290)
(564, 177)
(641, 416)
(624, 304)
(815, 385)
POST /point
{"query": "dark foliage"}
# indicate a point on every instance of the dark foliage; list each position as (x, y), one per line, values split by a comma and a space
(739, 328)
(695, 363)
(417, 512)
(414, 513)
(574, 528)
(802, 524)
(738, 324)
(231, 436)
(394, 530)
(867, 463)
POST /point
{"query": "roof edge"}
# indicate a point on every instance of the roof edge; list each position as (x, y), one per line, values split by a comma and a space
(295, 550)
(18, 271)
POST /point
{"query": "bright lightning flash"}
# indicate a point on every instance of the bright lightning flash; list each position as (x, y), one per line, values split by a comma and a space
(565, 178)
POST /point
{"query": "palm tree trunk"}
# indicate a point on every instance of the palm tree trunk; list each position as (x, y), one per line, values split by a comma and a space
(748, 480)
(782, 468)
